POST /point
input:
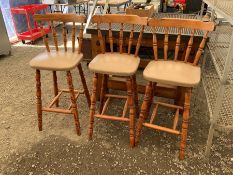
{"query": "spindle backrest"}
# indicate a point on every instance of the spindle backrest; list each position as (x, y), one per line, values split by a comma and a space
(180, 24)
(131, 20)
(64, 18)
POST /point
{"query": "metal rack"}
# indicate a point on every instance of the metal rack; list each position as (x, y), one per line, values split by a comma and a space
(223, 7)
(211, 83)
(184, 32)
(218, 72)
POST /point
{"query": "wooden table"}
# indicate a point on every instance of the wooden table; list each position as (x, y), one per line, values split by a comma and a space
(76, 5)
(163, 91)
(62, 7)
(113, 3)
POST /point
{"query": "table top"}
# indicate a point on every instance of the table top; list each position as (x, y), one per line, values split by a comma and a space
(148, 30)
(57, 4)
(112, 2)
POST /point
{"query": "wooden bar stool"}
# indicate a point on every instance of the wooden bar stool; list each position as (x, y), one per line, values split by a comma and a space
(117, 64)
(182, 73)
(58, 60)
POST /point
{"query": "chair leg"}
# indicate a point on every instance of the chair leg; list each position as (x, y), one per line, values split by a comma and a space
(39, 101)
(135, 90)
(55, 87)
(187, 98)
(131, 110)
(144, 109)
(103, 92)
(84, 84)
(150, 100)
(179, 100)
(92, 108)
(73, 101)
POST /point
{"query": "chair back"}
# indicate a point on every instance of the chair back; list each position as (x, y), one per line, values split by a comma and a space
(130, 20)
(180, 25)
(63, 18)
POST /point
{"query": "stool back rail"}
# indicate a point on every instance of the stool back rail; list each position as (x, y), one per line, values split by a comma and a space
(194, 25)
(186, 89)
(124, 19)
(74, 94)
(131, 100)
(64, 18)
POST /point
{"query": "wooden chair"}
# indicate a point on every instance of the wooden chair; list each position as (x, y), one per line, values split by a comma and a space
(184, 74)
(116, 63)
(60, 60)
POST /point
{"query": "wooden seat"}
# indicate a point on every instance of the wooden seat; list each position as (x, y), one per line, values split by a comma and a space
(116, 63)
(183, 73)
(173, 73)
(56, 60)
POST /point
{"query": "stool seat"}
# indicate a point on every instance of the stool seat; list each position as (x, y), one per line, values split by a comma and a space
(115, 64)
(173, 73)
(57, 61)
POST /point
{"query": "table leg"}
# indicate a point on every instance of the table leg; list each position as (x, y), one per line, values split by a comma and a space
(75, 9)
(87, 8)
(50, 8)
(84, 8)
(62, 8)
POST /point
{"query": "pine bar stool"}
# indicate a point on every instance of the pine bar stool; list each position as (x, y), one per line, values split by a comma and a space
(59, 60)
(177, 72)
(116, 64)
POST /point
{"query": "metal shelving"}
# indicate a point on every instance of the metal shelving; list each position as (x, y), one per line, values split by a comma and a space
(217, 76)
(223, 7)
(219, 47)
(211, 83)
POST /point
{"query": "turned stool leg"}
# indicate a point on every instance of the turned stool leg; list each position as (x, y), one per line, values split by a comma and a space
(84, 84)
(55, 87)
(103, 92)
(73, 101)
(131, 110)
(179, 100)
(144, 109)
(185, 122)
(147, 113)
(92, 108)
(39, 102)
(135, 89)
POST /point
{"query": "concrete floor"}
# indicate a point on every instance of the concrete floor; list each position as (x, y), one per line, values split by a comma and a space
(58, 150)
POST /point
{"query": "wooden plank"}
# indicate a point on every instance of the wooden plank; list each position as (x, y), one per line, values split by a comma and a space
(161, 128)
(125, 108)
(76, 97)
(176, 118)
(75, 90)
(64, 111)
(154, 113)
(105, 106)
(108, 117)
(169, 105)
(55, 99)
(116, 96)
